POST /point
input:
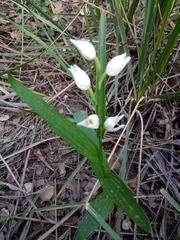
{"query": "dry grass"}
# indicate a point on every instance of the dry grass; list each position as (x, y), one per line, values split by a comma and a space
(29, 154)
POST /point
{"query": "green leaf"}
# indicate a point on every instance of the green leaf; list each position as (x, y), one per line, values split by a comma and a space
(100, 220)
(63, 127)
(161, 29)
(164, 57)
(170, 199)
(167, 96)
(123, 198)
(120, 16)
(100, 93)
(102, 205)
(45, 209)
(93, 136)
(149, 17)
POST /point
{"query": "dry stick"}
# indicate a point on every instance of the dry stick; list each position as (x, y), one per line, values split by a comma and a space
(139, 168)
(55, 211)
(61, 92)
(27, 225)
(100, 8)
(58, 224)
(9, 170)
(30, 146)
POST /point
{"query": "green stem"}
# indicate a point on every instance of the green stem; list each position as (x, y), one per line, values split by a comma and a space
(97, 64)
(101, 79)
(91, 93)
(100, 111)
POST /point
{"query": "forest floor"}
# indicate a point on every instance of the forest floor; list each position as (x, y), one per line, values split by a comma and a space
(33, 156)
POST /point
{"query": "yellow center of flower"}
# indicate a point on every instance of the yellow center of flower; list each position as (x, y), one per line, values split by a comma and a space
(90, 122)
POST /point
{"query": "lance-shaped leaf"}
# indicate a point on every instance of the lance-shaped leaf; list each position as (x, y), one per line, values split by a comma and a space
(123, 198)
(103, 205)
(63, 127)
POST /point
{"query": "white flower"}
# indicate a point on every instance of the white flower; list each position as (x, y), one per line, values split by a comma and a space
(116, 64)
(86, 49)
(111, 122)
(91, 122)
(80, 77)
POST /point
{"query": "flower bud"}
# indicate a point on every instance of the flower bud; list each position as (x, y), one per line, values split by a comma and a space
(111, 122)
(116, 64)
(85, 48)
(90, 122)
(80, 77)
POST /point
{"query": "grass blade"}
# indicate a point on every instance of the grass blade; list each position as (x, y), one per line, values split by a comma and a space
(171, 200)
(163, 58)
(150, 12)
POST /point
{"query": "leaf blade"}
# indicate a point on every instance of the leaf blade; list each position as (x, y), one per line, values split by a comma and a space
(103, 205)
(123, 198)
(63, 127)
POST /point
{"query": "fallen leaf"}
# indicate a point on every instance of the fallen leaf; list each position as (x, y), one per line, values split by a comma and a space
(46, 193)
(152, 203)
(74, 191)
(15, 34)
(89, 186)
(57, 212)
(3, 21)
(28, 186)
(58, 7)
(36, 225)
(4, 212)
(126, 224)
(39, 182)
(133, 182)
(11, 207)
(16, 120)
(61, 110)
(9, 178)
(4, 117)
(39, 170)
(62, 169)
(41, 158)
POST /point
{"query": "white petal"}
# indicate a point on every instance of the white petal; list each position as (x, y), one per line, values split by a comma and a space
(83, 123)
(117, 128)
(111, 122)
(85, 48)
(81, 78)
(91, 122)
(116, 64)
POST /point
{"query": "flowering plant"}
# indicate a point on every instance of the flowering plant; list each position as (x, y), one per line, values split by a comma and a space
(87, 135)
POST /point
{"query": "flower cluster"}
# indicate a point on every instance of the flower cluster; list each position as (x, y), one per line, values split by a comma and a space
(92, 121)
(82, 80)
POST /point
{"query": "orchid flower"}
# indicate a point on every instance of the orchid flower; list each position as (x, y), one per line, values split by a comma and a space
(111, 122)
(80, 77)
(90, 122)
(85, 48)
(116, 64)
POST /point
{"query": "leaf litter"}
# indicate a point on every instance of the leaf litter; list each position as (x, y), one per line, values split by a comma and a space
(49, 160)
